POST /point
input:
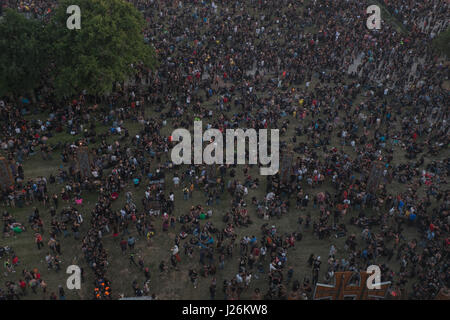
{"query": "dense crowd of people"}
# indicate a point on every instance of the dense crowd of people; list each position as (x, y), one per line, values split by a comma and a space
(345, 99)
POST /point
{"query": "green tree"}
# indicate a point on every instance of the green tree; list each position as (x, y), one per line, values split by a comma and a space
(442, 42)
(22, 54)
(99, 54)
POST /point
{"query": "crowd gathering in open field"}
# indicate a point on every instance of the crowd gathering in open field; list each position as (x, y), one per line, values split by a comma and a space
(363, 119)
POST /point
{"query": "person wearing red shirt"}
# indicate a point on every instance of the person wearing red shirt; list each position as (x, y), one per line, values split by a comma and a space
(23, 286)
(15, 260)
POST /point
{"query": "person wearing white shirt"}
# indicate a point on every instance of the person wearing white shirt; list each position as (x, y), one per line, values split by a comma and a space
(248, 278)
(272, 267)
(176, 181)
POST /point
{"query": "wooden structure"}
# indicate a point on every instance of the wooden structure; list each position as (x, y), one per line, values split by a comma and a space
(345, 289)
(83, 161)
(6, 174)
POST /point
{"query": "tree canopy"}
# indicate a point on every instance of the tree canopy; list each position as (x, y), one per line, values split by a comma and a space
(22, 53)
(442, 42)
(92, 58)
(101, 52)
